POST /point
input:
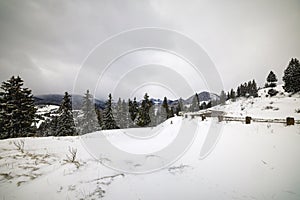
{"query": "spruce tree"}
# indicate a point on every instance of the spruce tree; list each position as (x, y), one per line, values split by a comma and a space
(238, 91)
(171, 112)
(166, 108)
(108, 117)
(124, 115)
(232, 94)
(291, 76)
(228, 96)
(66, 125)
(143, 118)
(209, 104)
(17, 111)
(54, 126)
(117, 112)
(195, 104)
(271, 80)
(133, 109)
(253, 91)
(181, 104)
(99, 117)
(89, 122)
(153, 120)
(223, 97)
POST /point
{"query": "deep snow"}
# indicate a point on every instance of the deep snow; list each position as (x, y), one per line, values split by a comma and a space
(249, 161)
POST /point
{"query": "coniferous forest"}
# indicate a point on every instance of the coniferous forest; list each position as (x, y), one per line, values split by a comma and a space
(18, 116)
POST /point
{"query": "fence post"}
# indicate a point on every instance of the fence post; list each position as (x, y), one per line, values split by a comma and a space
(220, 118)
(248, 120)
(290, 121)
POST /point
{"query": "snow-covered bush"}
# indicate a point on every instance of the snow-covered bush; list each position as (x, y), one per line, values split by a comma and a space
(272, 92)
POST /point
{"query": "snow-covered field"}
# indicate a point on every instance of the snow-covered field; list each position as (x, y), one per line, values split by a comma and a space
(249, 161)
(256, 161)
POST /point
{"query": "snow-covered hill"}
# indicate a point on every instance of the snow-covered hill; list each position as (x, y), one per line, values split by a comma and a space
(278, 107)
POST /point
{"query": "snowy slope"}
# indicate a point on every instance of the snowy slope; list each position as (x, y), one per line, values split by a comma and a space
(257, 161)
(278, 107)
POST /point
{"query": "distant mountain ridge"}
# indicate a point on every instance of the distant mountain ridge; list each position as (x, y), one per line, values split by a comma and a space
(55, 99)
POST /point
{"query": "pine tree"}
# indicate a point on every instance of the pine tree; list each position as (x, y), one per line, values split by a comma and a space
(195, 104)
(177, 109)
(271, 80)
(66, 125)
(238, 91)
(17, 111)
(108, 118)
(291, 76)
(117, 112)
(232, 94)
(253, 91)
(171, 112)
(124, 115)
(143, 118)
(133, 109)
(222, 97)
(89, 122)
(54, 126)
(153, 120)
(181, 104)
(228, 96)
(165, 109)
(44, 128)
(209, 104)
(99, 117)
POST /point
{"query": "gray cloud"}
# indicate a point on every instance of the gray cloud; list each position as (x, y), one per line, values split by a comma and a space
(45, 42)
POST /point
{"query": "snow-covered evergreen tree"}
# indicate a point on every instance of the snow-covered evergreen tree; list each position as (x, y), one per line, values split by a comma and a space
(121, 114)
(66, 125)
(117, 112)
(161, 114)
(152, 114)
(133, 109)
(99, 117)
(238, 91)
(291, 76)
(17, 111)
(195, 104)
(253, 91)
(232, 94)
(223, 97)
(143, 118)
(271, 80)
(124, 115)
(165, 109)
(108, 117)
(181, 104)
(89, 122)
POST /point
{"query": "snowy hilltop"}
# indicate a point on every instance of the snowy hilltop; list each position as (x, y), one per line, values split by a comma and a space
(264, 106)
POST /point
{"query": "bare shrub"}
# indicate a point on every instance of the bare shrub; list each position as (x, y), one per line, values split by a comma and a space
(20, 145)
(71, 158)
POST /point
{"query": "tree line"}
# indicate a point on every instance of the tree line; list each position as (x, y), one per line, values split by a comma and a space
(18, 116)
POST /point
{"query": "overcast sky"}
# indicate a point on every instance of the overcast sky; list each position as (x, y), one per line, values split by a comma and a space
(46, 42)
